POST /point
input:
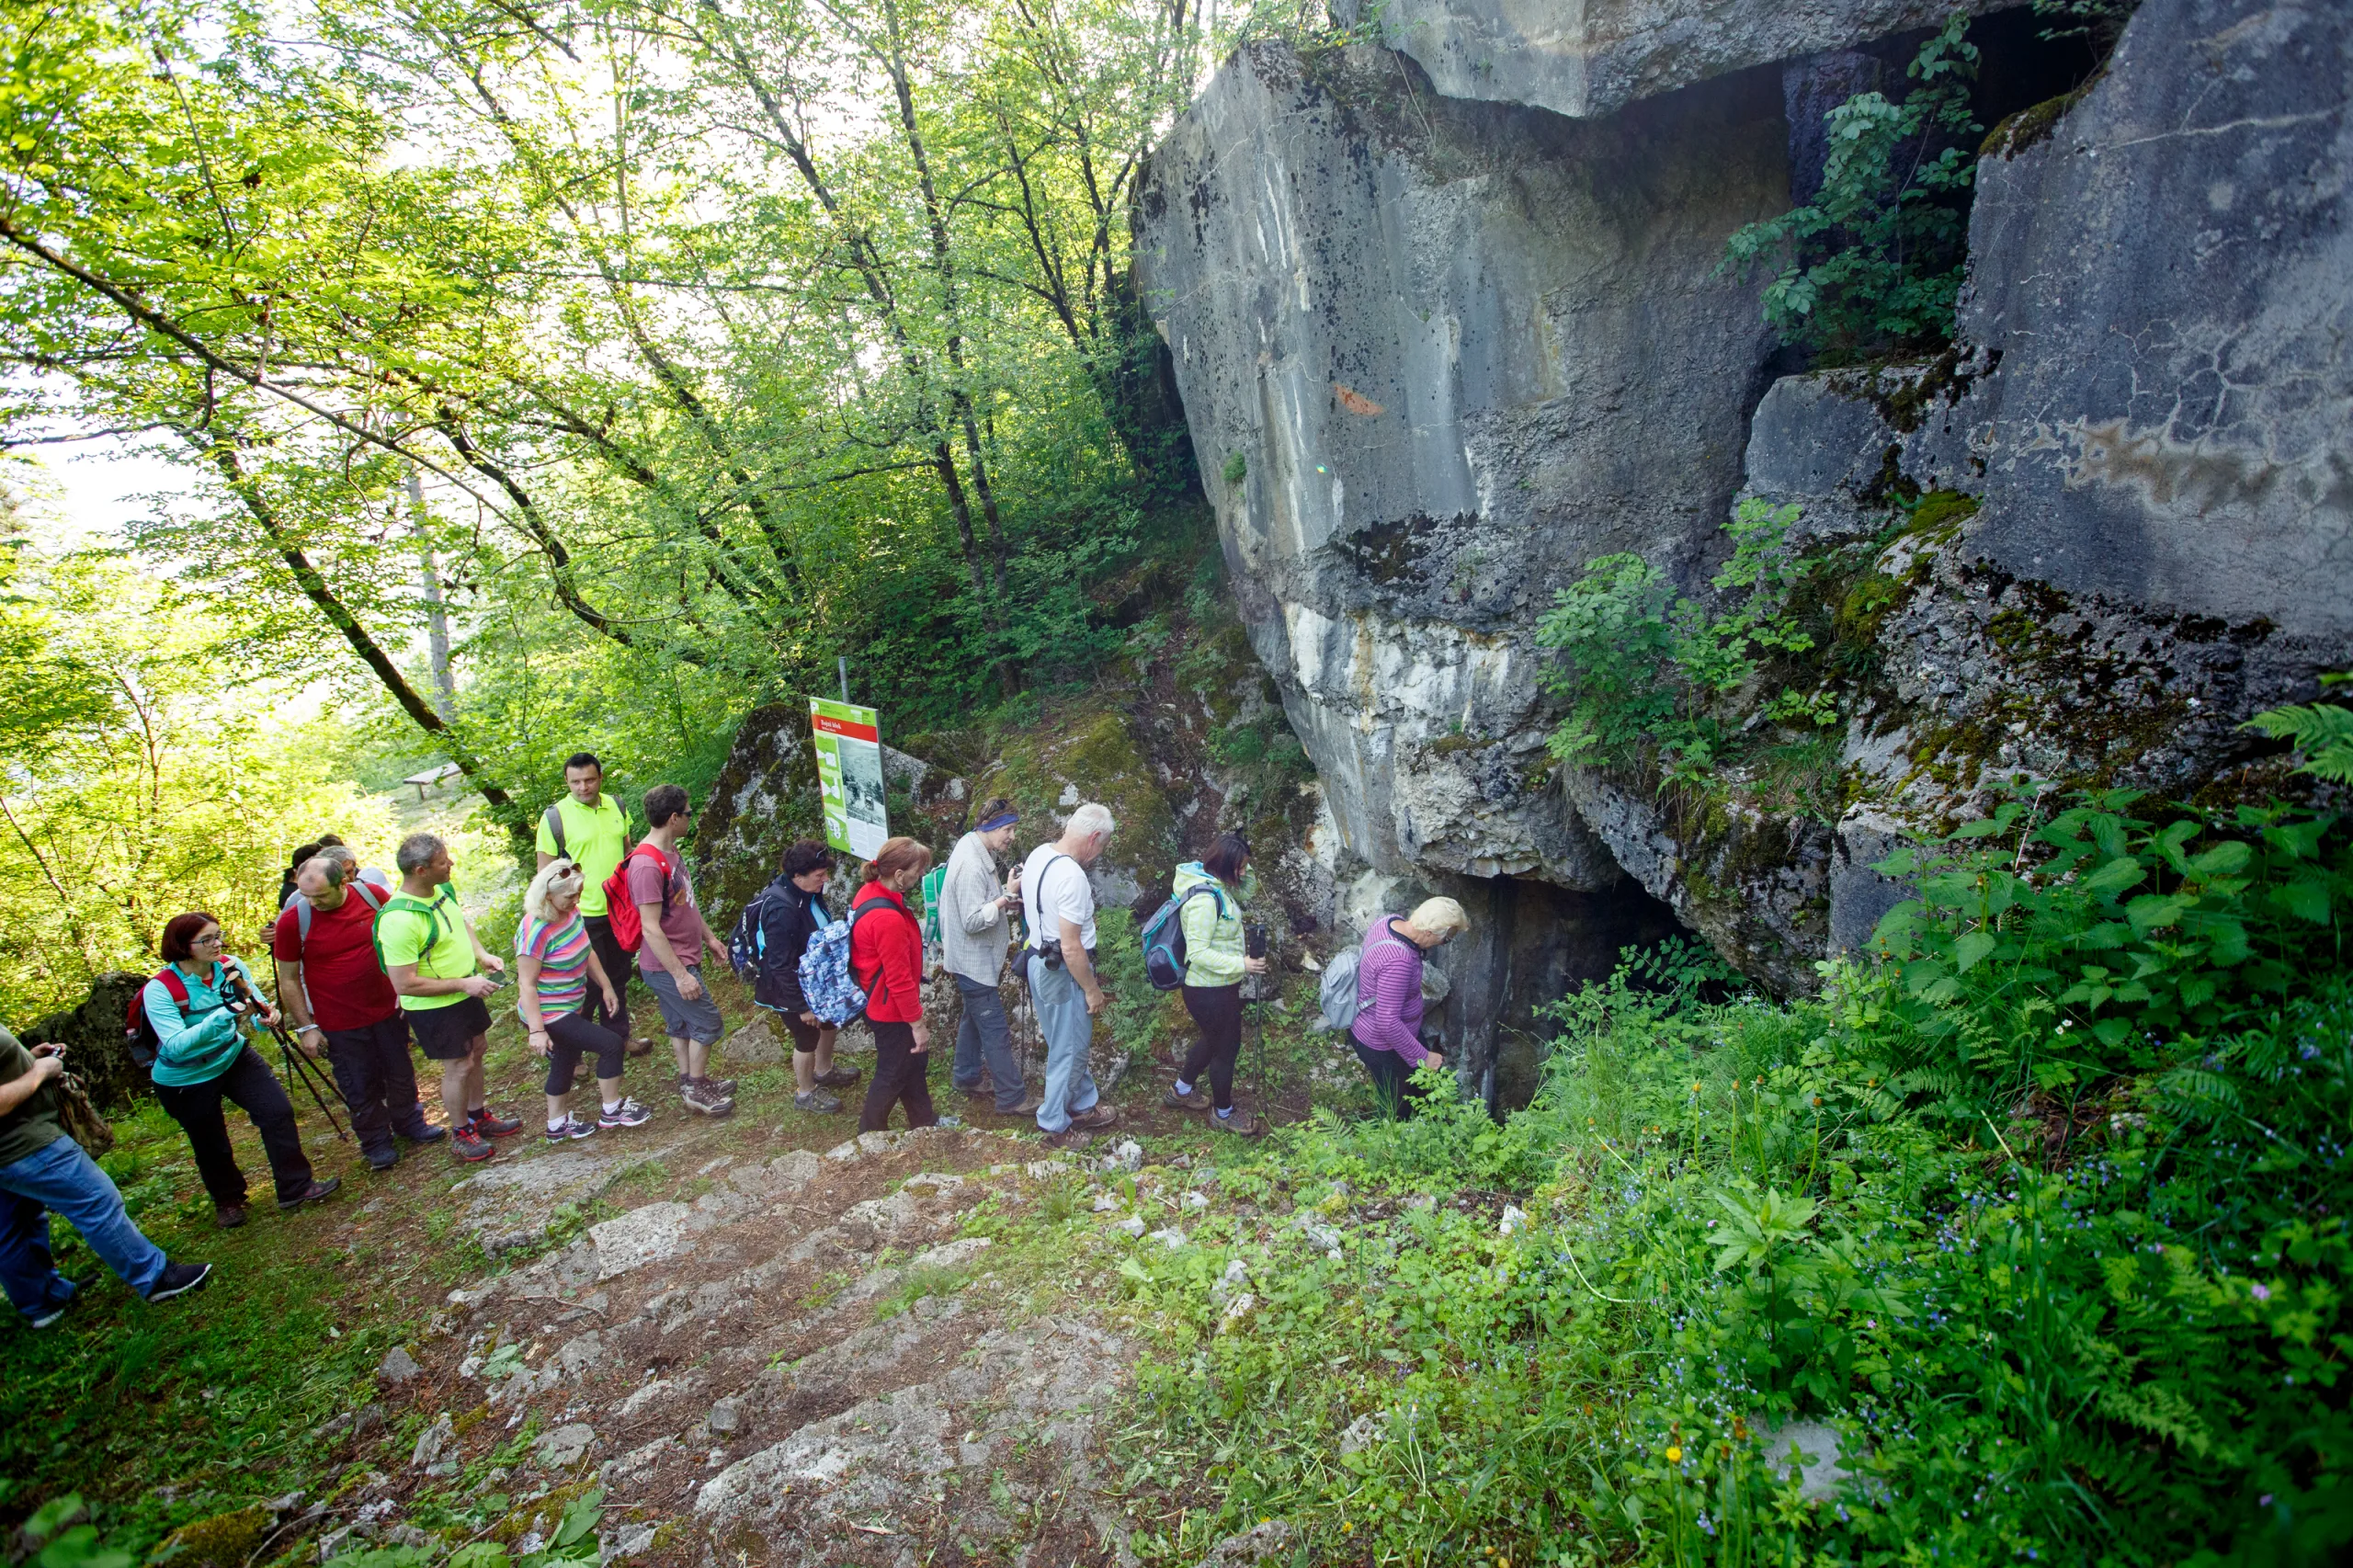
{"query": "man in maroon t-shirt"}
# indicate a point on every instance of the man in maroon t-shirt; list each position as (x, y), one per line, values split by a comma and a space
(332, 989)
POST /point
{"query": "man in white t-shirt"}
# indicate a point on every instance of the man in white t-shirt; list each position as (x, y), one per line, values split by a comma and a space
(1059, 907)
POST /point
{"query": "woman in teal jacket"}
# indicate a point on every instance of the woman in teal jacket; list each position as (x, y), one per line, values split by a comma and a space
(202, 1058)
(1215, 961)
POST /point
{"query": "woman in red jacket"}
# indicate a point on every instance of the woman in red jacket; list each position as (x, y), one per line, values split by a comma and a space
(886, 959)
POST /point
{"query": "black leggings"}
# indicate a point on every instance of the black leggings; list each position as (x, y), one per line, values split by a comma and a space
(1391, 1080)
(251, 1085)
(572, 1037)
(898, 1078)
(1218, 1010)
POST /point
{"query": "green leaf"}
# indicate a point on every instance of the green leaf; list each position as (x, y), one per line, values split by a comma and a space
(1971, 950)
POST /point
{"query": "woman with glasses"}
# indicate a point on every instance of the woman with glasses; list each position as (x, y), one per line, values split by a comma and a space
(202, 1008)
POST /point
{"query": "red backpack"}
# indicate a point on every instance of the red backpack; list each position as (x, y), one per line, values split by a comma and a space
(138, 1038)
(621, 910)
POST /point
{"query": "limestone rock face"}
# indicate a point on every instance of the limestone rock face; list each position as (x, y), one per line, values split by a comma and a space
(2160, 315)
(1435, 355)
(1594, 59)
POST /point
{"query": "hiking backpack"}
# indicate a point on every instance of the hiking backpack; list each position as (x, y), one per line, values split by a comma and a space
(833, 992)
(1164, 955)
(621, 910)
(1337, 1001)
(555, 831)
(747, 944)
(407, 904)
(373, 895)
(140, 1041)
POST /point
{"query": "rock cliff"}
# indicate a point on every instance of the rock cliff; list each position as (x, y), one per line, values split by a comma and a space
(1449, 320)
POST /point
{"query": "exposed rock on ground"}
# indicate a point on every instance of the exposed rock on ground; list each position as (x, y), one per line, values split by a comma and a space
(792, 1368)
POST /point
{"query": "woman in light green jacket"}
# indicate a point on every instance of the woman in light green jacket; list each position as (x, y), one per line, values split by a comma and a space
(1215, 961)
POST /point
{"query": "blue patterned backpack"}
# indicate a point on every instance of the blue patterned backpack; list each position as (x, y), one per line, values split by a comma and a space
(834, 994)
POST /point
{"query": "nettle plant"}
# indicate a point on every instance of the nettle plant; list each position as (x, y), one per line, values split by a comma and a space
(1646, 668)
(2049, 956)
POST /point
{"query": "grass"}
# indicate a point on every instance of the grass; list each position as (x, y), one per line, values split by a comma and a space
(166, 1416)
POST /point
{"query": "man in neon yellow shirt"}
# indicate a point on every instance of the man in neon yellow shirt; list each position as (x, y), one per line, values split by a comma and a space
(589, 827)
(436, 963)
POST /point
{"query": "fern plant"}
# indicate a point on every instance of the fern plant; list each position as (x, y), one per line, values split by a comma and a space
(2322, 731)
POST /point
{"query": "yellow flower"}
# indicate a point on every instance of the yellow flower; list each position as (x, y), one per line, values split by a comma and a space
(1674, 1454)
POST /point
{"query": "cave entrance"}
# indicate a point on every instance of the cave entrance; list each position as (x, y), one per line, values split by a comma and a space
(1529, 943)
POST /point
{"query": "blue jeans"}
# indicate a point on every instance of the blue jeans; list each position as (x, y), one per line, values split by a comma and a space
(64, 1178)
(1063, 1019)
(984, 1034)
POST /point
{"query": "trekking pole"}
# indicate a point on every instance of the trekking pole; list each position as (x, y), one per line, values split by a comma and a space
(299, 1067)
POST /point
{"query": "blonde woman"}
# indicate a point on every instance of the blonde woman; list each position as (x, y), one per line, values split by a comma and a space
(1387, 1032)
(557, 964)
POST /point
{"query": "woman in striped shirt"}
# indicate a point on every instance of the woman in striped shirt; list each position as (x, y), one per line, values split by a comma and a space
(556, 963)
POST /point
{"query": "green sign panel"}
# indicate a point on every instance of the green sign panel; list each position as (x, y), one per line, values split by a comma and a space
(849, 776)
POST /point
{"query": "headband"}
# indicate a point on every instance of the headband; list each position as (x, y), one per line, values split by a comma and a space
(1003, 819)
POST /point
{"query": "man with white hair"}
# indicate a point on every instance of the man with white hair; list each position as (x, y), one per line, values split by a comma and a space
(337, 997)
(1058, 904)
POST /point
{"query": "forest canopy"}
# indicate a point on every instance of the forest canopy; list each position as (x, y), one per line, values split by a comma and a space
(582, 373)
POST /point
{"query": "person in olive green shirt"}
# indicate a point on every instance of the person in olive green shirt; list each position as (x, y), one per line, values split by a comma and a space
(589, 828)
(42, 1170)
(436, 964)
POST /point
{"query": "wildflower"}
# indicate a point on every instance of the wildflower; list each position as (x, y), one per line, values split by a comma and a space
(1674, 1454)
(2261, 1292)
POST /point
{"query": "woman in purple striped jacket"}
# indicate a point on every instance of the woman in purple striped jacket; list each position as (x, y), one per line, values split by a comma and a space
(1387, 1032)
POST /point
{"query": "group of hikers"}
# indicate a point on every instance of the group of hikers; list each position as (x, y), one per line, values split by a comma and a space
(365, 963)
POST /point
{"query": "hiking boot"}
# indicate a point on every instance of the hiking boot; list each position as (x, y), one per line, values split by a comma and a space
(1242, 1124)
(431, 1134)
(179, 1280)
(702, 1100)
(1071, 1137)
(1188, 1100)
(1029, 1105)
(311, 1194)
(817, 1102)
(1096, 1118)
(383, 1159)
(228, 1216)
(629, 1113)
(723, 1087)
(640, 1046)
(839, 1077)
(487, 1123)
(570, 1127)
(469, 1147)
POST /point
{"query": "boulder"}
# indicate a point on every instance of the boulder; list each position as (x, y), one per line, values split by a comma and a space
(754, 1045)
(1436, 356)
(92, 1036)
(2167, 427)
(1594, 59)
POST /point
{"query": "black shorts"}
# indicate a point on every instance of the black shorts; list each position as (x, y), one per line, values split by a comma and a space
(804, 1036)
(447, 1034)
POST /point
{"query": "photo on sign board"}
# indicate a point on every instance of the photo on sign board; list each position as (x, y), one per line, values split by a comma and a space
(862, 782)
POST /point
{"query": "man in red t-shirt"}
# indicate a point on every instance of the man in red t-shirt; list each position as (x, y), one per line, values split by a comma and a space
(333, 990)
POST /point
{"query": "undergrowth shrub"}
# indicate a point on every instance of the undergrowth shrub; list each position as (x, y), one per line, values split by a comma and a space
(1872, 264)
(2042, 1211)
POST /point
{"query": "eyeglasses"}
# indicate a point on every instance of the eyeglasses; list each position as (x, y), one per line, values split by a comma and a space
(209, 940)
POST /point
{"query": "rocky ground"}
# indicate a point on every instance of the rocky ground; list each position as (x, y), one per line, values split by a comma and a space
(856, 1356)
